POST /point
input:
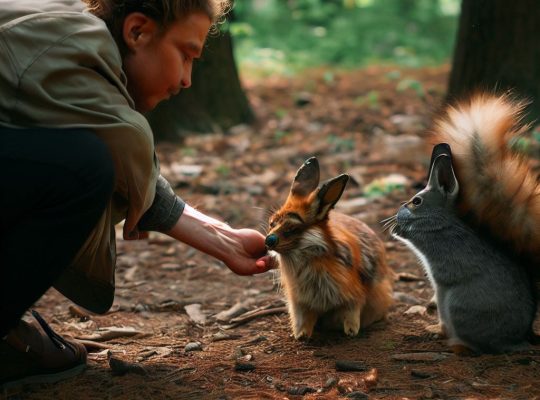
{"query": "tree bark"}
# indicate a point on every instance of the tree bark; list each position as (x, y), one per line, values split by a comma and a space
(214, 102)
(497, 49)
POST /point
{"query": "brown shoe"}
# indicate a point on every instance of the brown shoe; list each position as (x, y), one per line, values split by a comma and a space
(33, 353)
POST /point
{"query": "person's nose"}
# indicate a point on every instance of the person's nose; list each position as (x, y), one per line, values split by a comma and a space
(185, 82)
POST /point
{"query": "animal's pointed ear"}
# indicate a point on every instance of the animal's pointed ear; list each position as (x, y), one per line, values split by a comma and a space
(306, 179)
(329, 193)
(439, 149)
(443, 178)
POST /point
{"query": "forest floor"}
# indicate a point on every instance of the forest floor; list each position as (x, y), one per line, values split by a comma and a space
(188, 328)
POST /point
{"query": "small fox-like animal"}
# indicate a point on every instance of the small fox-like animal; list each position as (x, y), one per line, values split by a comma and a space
(475, 225)
(332, 266)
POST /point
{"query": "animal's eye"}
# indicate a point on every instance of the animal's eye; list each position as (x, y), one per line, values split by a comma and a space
(416, 201)
(272, 224)
(290, 231)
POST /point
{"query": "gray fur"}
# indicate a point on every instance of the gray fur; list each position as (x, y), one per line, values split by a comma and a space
(485, 300)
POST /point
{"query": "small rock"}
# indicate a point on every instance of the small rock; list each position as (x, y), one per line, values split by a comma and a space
(357, 395)
(344, 365)
(420, 310)
(330, 382)
(244, 366)
(300, 390)
(193, 346)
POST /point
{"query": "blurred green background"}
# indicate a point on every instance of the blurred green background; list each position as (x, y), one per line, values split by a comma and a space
(287, 36)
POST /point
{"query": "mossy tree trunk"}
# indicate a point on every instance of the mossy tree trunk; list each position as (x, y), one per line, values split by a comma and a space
(498, 48)
(214, 102)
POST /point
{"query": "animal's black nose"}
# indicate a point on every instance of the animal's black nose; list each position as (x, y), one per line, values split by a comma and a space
(271, 240)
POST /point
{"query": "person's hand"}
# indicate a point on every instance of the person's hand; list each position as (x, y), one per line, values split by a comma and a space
(134, 234)
(242, 250)
(249, 256)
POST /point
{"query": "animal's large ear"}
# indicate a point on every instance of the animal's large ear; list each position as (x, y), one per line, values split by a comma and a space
(329, 193)
(306, 179)
(439, 149)
(442, 177)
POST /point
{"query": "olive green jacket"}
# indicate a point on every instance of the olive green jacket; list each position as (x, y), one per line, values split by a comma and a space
(60, 67)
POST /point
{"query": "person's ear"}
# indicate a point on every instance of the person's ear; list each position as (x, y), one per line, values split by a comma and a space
(138, 30)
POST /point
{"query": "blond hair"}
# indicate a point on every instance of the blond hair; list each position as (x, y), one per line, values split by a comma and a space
(164, 12)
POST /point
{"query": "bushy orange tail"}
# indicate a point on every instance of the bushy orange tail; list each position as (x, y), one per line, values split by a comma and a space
(498, 189)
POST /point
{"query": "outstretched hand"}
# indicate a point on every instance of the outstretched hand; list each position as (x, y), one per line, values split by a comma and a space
(250, 257)
(242, 250)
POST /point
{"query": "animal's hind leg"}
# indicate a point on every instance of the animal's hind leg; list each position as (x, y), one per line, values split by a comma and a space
(378, 301)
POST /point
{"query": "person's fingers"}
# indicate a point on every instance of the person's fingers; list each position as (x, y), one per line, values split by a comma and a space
(135, 235)
(266, 263)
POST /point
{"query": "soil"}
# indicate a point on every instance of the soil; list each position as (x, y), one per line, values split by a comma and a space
(174, 344)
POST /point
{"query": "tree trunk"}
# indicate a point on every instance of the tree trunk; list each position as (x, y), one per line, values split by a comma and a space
(214, 102)
(498, 48)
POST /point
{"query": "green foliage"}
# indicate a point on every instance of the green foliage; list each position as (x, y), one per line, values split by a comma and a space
(381, 187)
(411, 84)
(371, 99)
(348, 33)
(339, 144)
(223, 170)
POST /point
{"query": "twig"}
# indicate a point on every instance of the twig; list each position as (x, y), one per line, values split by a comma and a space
(256, 314)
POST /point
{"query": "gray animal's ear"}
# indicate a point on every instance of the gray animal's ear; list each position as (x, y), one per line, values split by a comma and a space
(329, 193)
(306, 179)
(442, 177)
(439, 149)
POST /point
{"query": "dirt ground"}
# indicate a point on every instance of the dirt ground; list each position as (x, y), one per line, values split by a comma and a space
(184, 327)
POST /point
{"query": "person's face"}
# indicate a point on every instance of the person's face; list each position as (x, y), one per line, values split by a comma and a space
(159, 63)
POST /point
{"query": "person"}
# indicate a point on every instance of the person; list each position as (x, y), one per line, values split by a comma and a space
(77, 157)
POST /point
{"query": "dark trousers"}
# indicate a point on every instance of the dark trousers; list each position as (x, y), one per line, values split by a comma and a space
(54, 187)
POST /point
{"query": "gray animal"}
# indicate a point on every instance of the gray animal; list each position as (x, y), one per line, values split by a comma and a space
(485, 299)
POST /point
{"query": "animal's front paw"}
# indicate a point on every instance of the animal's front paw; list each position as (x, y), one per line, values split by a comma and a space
(302, 334)
(351, 327)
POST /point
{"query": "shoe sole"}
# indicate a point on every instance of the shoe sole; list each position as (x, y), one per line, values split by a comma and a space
(44, 378)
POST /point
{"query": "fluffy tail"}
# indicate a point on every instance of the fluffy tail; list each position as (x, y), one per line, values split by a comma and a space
(498, 189)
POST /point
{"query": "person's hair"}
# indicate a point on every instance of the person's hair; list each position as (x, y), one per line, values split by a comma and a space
(164, 12)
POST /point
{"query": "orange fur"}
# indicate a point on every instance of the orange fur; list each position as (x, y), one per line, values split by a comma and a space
(497, 186)
(331, 265)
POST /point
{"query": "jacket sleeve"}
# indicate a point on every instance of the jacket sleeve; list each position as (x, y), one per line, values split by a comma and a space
(164, 211)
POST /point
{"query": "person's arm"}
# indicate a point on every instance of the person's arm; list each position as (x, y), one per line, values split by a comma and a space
(242, 250)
